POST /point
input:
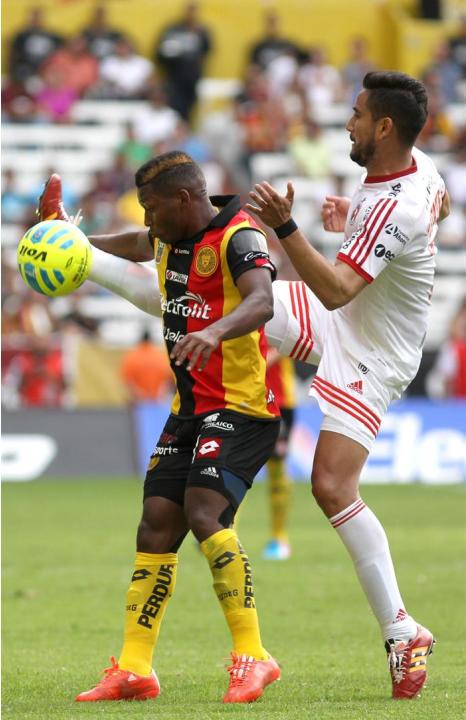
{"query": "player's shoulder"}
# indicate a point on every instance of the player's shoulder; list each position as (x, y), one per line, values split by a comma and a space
(248, 239)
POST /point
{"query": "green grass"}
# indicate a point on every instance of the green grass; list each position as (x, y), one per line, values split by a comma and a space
(67, 556)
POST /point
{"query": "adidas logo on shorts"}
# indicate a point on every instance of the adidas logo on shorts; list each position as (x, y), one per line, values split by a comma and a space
(209, 471)
(356, 386)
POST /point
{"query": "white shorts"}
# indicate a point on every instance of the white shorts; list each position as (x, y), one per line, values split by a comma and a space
(350, 394)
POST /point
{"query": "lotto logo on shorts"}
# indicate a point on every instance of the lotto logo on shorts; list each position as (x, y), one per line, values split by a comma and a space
(209, 447)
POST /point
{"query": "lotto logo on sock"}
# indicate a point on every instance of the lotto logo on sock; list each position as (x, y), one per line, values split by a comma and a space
(224, 559)
(209, 447)
(140, 574)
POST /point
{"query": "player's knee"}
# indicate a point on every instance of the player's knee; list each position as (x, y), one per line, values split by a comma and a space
(325, 486)
(200, 520)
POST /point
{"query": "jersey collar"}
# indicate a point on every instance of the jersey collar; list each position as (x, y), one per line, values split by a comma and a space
(228, 206)
(387, 178)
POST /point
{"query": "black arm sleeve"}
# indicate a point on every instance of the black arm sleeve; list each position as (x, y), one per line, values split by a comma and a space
(247, 249)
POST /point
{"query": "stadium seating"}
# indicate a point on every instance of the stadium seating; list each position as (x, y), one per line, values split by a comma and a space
(79, 149)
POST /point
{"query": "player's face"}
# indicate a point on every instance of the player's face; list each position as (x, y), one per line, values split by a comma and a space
(161, 215)
(361, 127)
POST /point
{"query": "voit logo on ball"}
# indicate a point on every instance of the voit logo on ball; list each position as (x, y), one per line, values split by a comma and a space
(54, 257)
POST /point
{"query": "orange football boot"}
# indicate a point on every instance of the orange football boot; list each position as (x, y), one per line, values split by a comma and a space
(249, 677)
(122, 685)
(51, 201)
(407, 663)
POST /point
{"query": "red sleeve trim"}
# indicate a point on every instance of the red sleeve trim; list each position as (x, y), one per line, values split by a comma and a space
(344, 258)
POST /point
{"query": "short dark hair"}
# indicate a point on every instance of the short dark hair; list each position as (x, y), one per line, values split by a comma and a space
(169, 172)
(400, 97)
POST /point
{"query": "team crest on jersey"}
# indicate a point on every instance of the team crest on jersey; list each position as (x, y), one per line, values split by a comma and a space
(159, 253)
(206, 261)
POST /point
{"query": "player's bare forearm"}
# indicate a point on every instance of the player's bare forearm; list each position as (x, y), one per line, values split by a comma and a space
(133, 246)
(334, 285)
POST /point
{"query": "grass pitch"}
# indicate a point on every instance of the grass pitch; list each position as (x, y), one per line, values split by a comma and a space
(68, 551)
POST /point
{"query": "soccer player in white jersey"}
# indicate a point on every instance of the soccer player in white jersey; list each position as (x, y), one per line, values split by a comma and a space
(364, 319)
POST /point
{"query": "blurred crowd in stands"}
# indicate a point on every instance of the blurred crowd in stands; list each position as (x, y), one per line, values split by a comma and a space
(283, 93)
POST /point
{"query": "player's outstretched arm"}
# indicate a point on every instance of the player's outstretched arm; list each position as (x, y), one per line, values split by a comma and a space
(134, 246)
(334, 284)
(134, 282)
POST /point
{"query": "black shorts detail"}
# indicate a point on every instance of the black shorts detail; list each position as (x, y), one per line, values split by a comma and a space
(223, 450)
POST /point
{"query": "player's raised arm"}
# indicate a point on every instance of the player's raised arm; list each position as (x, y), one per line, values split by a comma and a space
(334, 285)
(334, 213)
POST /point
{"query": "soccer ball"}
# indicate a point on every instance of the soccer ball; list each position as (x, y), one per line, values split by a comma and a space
(54, 257)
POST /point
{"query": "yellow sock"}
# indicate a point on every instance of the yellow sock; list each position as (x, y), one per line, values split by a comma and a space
(231, 572)
(152, 585)
(280, 494)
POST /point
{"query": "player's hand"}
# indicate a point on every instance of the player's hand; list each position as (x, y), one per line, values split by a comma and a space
(334, 213)
(273, 209)
(197, 346)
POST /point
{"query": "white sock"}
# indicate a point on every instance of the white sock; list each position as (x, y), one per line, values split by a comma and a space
(366, 542)
(135, 282)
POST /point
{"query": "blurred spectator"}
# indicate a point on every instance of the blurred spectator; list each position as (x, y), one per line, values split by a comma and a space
(355, 68)
(41, 381)
(189, 142)
(158, 121)
(146, 371)
(181, 51)
(272, 45)
(455, 172)
(18, 104)
(294, 103)
(458, 46)
(135, 152)
(125, 75)
(101, 38)
(93, 221)
(439, 133)
(448, 72)
(119, 177)
(31, 47)
(14, 203)
(281, 73)
(320, 81)
(261, 118)
(28, 314)
(310, 151)
(448, 376)
(55, 98)
(78, 68)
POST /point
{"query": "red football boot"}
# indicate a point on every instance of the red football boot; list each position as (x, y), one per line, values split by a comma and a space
(249, 677)
(122, 685)
(51, 201)
(407, 663)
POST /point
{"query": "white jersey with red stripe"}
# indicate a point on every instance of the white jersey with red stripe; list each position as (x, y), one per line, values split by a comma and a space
(368, 351)
(390, 241)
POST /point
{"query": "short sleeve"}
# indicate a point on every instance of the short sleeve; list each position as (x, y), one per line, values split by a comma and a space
(247, 249)
(378, 240)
